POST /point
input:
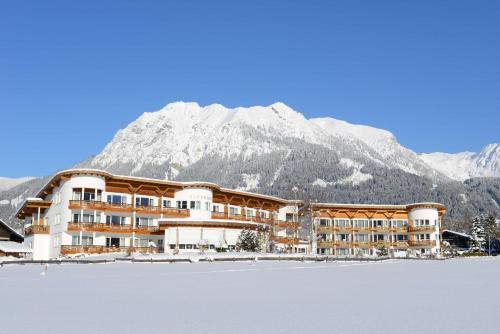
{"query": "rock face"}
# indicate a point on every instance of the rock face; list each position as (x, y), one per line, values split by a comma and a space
(276, 150)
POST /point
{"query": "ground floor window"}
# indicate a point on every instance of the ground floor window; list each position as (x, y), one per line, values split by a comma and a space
(115, 242)
(87, 240)
(343, 251)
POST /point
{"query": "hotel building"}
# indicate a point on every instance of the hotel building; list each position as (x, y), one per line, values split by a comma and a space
(360, 229)
(92, 211)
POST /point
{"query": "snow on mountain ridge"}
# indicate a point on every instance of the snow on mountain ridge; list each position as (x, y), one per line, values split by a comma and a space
(464, 165)
(182, 133)
(8, 183)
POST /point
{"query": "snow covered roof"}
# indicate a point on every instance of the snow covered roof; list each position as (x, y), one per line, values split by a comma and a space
(8, 227)
(465, 235)
(14, 247)
(377, 206)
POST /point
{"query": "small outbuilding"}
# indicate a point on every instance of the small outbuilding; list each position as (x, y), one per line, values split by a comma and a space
(457, 240)
(11, 241)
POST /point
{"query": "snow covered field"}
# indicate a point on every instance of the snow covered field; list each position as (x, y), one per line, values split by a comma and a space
(397, 296)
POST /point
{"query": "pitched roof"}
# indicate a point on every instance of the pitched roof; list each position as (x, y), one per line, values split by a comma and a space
(14, 247)
(8, 227)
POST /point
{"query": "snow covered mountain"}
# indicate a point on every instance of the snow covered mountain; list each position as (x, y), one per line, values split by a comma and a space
(181, 134)
(465, 165)
(8, 183)
(275, 150)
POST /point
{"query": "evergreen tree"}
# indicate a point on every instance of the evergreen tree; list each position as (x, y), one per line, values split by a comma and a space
(478, 233)
(248, 241)
(382, 251)
(490, 230)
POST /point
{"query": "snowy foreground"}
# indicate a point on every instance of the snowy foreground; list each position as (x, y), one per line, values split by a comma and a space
(396, 296)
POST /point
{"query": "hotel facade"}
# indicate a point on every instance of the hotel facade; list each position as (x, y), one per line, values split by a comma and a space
(93, 212)
(361, 229)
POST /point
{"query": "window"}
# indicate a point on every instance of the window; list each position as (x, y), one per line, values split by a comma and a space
(144, 221)
(77, 195)
(215, 208)
(75, 240)
(399, 223)
(167, 203)
(57, 240)
(263, 214)
(233, 211)
(380, 223)
(87, 240)
(86, 218)
(323, 222)
(115, 220)
(144, 201)
(207, 206)
(182, 204)
(195, 205)
(115, 242)
(342, 222)
(250, 213)
(422, 222)
(116, 199)
(400, 237)
(361, 223)
(342, 237)
(362, 237)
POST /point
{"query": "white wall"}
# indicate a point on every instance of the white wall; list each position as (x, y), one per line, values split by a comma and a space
(197, 194)
(432, 215)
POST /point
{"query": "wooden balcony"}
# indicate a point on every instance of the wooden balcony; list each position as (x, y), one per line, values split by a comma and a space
(129, 208)
(285, 224)
(378, 244)
(381, 229)
(148, 210)
(331, 244)
(93, 249)
(399, 230)
(112, 228)
(175, 212)
(362, 244)
(255, 219)
(36, 229)
(400, 244)
(101, 206)
(422, 229)
(363, 229)
(324, 229)
(422, 243)
(285, 240)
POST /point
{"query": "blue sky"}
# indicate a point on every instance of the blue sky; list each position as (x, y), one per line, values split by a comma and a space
(72, 74)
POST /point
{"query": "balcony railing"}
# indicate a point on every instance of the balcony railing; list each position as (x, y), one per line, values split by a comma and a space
(175, 212)
(286, 224)
(256, 219)
(112, 228)
(124, 207)
(422, 243)
(400, 244)
(285, 240)
(94, 249)
(422, 229)
(37, 229)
